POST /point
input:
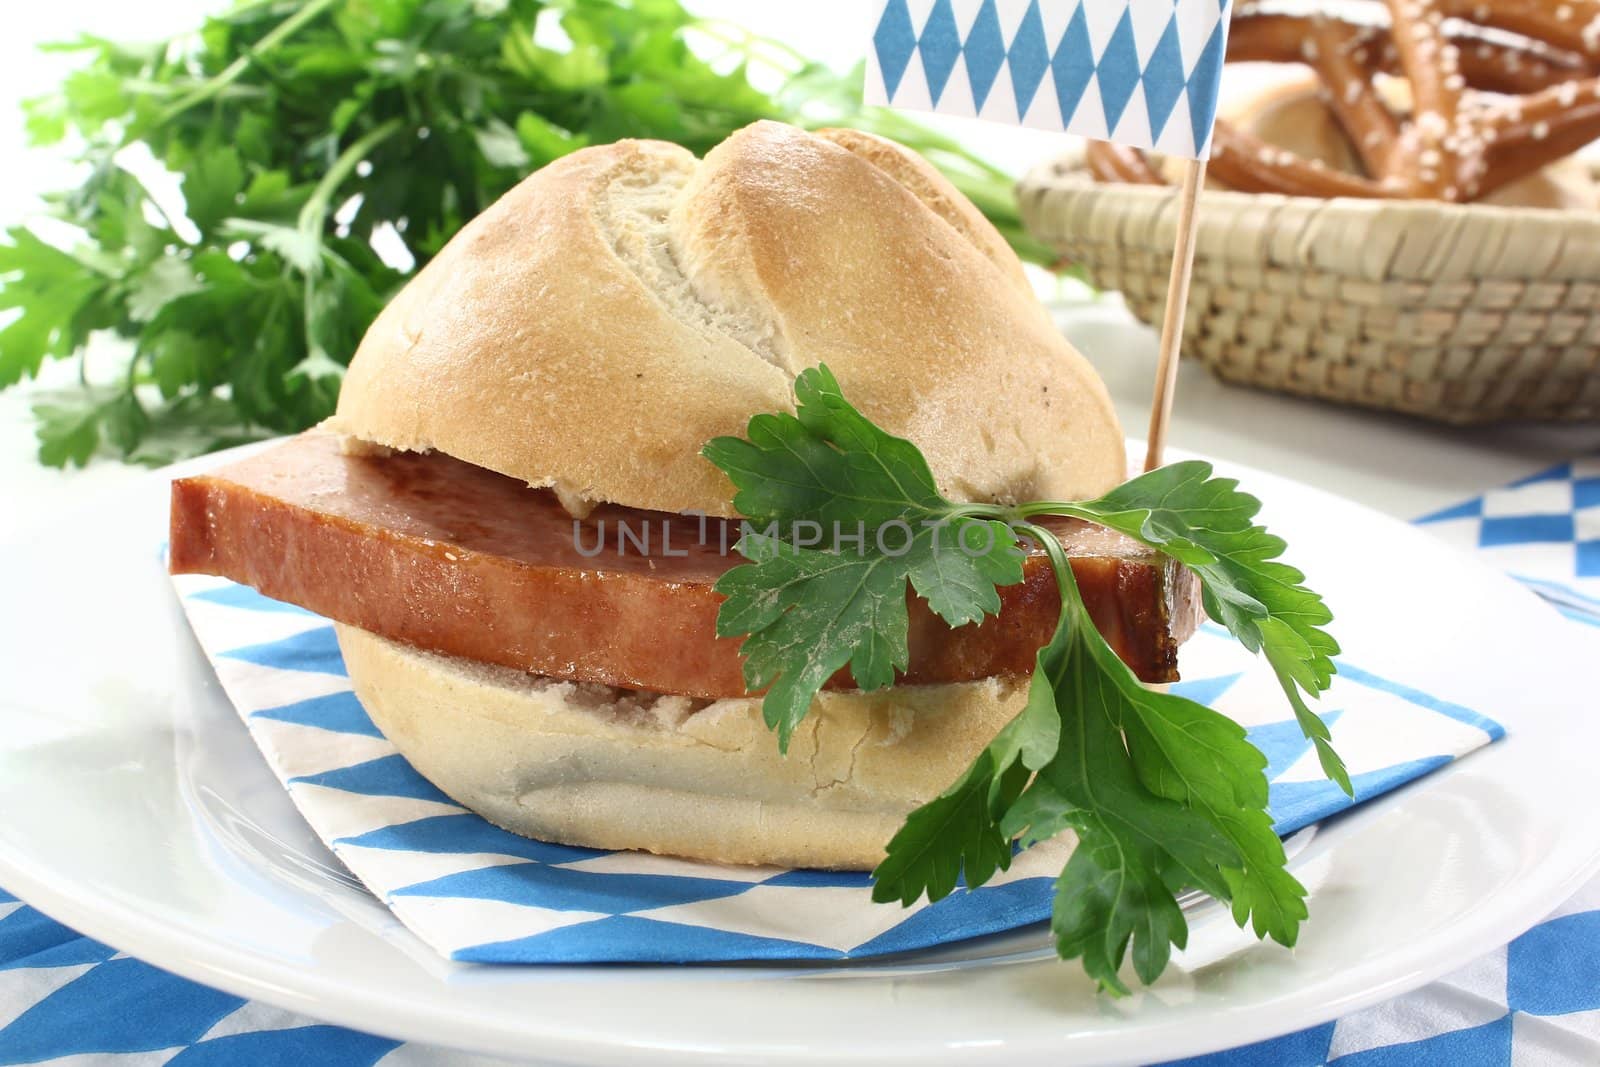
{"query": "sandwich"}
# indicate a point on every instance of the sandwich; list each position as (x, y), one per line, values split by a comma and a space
(504, 518)
(514, 524)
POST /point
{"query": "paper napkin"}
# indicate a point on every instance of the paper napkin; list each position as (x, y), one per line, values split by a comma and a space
(474, 892)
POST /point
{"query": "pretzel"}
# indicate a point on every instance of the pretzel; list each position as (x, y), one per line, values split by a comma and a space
(1461, 141)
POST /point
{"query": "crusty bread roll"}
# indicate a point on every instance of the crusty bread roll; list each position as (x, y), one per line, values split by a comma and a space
(590, 333)
(599, 324)
(606, 768)
(1290, 114)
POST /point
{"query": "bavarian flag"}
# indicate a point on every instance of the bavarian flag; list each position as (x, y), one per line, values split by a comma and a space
(1143, 73)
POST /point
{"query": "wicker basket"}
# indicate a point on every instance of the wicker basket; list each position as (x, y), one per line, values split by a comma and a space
(1462, 314)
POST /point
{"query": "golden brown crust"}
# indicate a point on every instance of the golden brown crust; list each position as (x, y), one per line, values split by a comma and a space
(528, 346)
(595, 327)
(932, 188)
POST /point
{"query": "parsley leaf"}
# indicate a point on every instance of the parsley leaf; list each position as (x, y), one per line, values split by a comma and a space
(1208, 525)
(58, 298)
(826, 462)
(959, 833)
(1163, 793)
(826, 476)
(808, 613)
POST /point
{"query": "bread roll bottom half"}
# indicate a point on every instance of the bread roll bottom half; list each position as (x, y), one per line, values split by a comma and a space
(599, 767)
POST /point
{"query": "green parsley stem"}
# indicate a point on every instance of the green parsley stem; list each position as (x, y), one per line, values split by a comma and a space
(749, 43)
(315, 213)
(977, 511)
(233, 71)
(1066, 581)
(1035, 508)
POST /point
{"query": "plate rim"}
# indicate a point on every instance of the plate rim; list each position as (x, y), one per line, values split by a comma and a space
(324, 997)
(240, 973)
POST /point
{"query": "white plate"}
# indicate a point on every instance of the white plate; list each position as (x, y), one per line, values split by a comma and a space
(134, 808)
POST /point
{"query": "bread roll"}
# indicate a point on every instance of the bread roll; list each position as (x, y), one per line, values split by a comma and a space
(621, 307)
(589, 333)
(607, 768)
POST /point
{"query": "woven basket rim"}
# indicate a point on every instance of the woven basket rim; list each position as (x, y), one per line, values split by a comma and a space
(1344, 236)
(1071, 170)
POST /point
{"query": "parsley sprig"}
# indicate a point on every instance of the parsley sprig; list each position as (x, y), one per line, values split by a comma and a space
(808, 611)
(325, 149)
(1163, 793)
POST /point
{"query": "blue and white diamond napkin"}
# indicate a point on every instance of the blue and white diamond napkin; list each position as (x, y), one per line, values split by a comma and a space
(477, 893)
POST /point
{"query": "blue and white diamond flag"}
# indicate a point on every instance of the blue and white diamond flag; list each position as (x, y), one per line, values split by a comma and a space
(476, 893)
(1143, 73)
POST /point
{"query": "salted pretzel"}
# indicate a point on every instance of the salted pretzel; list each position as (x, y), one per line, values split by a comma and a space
(1500, 89)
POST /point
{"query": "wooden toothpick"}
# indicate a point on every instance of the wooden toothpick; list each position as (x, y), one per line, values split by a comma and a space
(1172, 323)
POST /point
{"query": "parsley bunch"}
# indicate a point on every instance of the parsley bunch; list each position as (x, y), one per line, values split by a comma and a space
(304, 135)
(1163, 793)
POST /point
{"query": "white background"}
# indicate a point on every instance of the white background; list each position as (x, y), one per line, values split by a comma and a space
(1398, 465)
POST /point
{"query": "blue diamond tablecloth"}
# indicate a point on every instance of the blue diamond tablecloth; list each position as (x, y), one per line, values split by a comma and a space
(1535, 1001)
